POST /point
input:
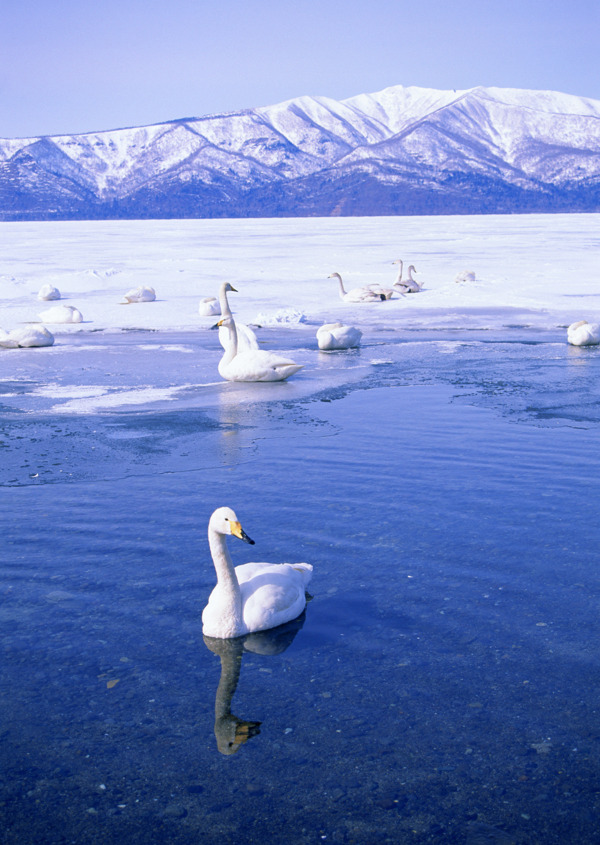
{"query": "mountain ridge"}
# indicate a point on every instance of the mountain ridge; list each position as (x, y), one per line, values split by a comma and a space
(402, 150)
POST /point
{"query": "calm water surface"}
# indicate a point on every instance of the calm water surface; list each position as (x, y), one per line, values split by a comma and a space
(443, 684)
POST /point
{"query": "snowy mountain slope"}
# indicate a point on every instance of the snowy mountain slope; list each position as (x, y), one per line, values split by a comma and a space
(401, 150)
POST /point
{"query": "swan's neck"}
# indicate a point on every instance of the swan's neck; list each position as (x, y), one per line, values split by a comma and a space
(410, 278)
(342, 291)
(400, 271)
(227, 581)
(231, 348)
(231, 663)
(224, 302)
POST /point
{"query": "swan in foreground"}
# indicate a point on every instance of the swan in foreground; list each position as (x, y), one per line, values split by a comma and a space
(338, 336)
(26, 337)
(364, 294)
(583, 333)
(252, 364)
(252, 596)
(61, 314)
(141, 294)
(464, 276)
(245, 336)
(48, 292)
(209, 307)
(409, 285)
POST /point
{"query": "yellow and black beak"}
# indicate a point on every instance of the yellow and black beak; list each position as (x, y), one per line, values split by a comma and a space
(238, 531)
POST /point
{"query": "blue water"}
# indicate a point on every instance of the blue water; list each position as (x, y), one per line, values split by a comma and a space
(442, 686)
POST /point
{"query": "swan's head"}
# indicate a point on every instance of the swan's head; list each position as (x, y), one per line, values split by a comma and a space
(334, 276)
(226, 321)
(412, 267)
(224, 521)
(227, 288)
(398, 261)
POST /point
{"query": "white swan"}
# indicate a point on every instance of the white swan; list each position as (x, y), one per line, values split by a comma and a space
(141, 294)
(338, 336)
(252, 364)
(48, 292)
(583, 333)
(61, 314)
(464, 276)
(252, 596)
(209, 307)
(26, 337)
(409, 285)
(364, 294)
(245, 336)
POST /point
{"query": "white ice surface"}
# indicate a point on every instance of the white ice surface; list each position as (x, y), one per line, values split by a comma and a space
(538, 271)
(542, 270)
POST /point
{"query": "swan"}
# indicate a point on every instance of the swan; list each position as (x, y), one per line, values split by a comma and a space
(141, 294)
(245, 336)
(338, 336)
(252, 364)
(464, 276)
(48, 292)
(61, 314)
(253, 596)
(364, 294)
(27, 337)
(209, 307)
(409, 285)
(583, 333)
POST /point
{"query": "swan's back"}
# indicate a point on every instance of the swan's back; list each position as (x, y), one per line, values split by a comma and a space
(272, 593)
(258, 365)
(583, 333)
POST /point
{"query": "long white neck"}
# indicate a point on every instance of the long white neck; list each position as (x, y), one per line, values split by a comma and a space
(339, 278)
(224, 302)
(231, 349)
(410, 278)
(226, 578)
(400, 271)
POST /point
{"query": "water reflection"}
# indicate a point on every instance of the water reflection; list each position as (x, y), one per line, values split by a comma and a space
(232, 732)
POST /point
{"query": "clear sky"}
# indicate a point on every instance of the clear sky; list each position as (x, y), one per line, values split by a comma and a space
(82, 65)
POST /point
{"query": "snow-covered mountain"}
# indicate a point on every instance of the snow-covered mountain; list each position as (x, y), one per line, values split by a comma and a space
(399, 151)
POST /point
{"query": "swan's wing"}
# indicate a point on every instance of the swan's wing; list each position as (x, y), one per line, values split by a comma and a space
(272, 593)
(259, 365)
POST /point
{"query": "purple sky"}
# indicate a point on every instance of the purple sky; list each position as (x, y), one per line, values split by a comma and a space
(75, 66)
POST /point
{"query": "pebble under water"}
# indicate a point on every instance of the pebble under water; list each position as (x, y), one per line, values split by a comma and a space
(441, 686)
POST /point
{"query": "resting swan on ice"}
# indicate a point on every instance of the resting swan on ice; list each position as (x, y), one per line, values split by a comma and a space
(252, 364)
(583, 333)
(409, 285)
(48, 292)
(338, 336)
(252, 596)
(141, 294)
(61, 314)
(26, 337)
(364, 294)
(209, 307)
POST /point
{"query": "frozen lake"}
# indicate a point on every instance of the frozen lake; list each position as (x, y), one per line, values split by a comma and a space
(443, 480)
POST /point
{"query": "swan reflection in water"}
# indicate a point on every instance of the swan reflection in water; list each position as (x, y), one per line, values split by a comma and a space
(230, 731)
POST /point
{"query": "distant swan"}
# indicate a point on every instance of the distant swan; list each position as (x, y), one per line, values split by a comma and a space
(338, 336)
(409, 285)
(583, 333)
(141, 294)
(252, 596)
(209, 307)
(61, 314)
(245, 336)
(364, 294)
(252, 364)
(464, 276)
(26, 337)
(48, 292)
